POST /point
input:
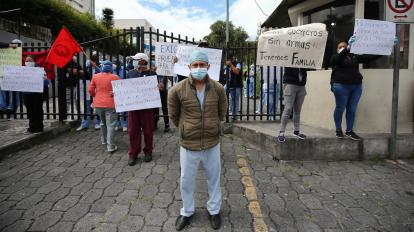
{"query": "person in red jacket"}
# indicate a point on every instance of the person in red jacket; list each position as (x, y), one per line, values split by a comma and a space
(103, 102)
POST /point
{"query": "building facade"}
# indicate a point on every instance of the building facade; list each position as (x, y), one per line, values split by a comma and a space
(83, 6)
(374, 110)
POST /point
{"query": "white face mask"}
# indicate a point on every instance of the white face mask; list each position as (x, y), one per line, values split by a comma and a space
(30, 64)
(340, 50)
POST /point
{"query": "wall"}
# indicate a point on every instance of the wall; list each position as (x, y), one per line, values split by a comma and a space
(374, 109)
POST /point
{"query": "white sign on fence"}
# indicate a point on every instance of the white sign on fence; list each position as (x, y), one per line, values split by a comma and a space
(136, 93)
(22, 79)
(183, 56)
(164, 57)
(301, 47)
(373, 37)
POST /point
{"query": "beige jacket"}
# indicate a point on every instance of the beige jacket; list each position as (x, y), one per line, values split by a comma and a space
(197, 130)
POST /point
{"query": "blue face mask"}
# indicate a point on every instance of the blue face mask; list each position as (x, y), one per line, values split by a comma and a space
(199, 73)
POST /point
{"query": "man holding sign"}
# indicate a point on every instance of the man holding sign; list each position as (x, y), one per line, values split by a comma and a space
(197, 105)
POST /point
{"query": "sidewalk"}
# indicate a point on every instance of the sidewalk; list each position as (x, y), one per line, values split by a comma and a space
(72, 184)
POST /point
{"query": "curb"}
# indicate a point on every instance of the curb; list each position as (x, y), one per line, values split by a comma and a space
(57, 129)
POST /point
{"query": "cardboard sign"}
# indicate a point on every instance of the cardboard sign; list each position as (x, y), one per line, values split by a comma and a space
(136, 94)
(164, 58)
(300, 47)
(23, 79)
(373, 37)
(183, 57)
(10, 56)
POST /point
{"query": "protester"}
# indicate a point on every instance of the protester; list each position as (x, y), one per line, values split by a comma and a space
(294, 95)
(34, 102)
(92, 68)
(274, 74)
(10, 100)
(234, 84)
(122, 123)
(103, 102)
(140, 120)
(346, 84)
(196, 106)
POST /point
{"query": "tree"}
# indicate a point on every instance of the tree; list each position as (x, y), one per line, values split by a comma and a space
(217, 36)
(107, 18)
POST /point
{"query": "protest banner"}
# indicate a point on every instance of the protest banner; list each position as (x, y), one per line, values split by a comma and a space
(136, 94)
(183, 57)
(373, 37)
(22, 79)
(10, 56)
(164, 57)
(300, 47)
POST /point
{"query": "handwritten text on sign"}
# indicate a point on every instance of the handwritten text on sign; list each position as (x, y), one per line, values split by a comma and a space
(373, 37)
(136, 94)
(22, 79)
(183, 56)
(164, 56)
(301, 47)
(10, 56)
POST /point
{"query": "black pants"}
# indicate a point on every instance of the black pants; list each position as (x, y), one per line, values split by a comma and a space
(34, 106)
(164, 96)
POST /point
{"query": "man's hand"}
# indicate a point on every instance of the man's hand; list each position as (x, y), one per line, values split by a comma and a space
(161, 86)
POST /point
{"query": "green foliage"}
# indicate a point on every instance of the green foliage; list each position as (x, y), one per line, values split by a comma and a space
(217, 36)
(54, 14)
(108, 16)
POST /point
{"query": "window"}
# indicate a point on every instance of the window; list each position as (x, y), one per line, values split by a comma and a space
(339, 18)
(375, 9)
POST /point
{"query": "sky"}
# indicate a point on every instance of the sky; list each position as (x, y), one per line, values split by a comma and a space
(191, 18)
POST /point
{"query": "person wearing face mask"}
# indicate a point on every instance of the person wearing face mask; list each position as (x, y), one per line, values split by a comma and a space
(34, 103)
(140, 120)
(196, 106)
(103, 102)
(346, 85)
(235, 84)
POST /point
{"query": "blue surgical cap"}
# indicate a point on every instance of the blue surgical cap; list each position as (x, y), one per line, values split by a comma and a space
(107, 66)
(198, 55)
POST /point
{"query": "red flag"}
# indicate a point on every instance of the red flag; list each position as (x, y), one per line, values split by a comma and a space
(63, 49)
(40, 60)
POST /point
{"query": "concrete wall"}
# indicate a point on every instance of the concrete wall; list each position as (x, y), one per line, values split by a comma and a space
(374, 109)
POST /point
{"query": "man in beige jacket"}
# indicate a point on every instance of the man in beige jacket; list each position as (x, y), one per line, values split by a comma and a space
(196, 106)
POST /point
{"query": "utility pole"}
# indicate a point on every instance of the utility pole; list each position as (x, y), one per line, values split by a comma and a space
(227, 23)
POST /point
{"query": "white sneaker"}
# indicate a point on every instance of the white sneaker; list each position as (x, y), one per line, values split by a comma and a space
(81, 128)
(125, 129)
(97, 126)
(117, 128)
(113, 149)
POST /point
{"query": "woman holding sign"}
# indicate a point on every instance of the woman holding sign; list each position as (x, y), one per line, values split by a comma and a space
(103, 102)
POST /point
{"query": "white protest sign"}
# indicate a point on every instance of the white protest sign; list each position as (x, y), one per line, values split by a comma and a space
(373, 37)
(136, 93)
(22, 79)
(164, 57)
(301, 47)
(183, 57)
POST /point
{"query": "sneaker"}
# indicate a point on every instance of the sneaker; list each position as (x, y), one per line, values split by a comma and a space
(340, 134)
(352, 135)
(299, 135)
(81, 128)
(148, 158)
(97, 126)
(132, 161)
(125, 129)
(117, 128)
(103, 143)
(167, 129)
(281, 138)
(114, 149)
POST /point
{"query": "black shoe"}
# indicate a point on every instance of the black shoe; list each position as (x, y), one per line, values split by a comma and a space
(132, 161)
(340, 134)
(30, 130)
(148, 158)
(353, 136)
(167, 129)
(182, 222)
(299, 135)
(215, 221)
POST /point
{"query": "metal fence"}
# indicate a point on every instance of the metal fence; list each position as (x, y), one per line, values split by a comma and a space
(260, 97)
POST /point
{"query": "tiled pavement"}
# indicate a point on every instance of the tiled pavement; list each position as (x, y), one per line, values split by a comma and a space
(72, 184)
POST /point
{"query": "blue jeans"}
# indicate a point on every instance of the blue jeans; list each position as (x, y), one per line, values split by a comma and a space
(108, 123)
(189, 161)
(123, 120)
(89, 110)
(13, 100)
(234, 100)
(346, 97)
(252, 86)
(263, 99)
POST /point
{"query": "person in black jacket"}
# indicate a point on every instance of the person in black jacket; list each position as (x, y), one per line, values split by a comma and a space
(294, 95)
(346, 84)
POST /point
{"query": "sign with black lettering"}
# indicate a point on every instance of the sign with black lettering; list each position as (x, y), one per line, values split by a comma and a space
(400, 11)
(300, 47)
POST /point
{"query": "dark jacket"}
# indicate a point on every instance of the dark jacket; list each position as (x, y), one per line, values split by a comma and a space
(291, 76)
(236, 80)
(134, 73)
(345, 68)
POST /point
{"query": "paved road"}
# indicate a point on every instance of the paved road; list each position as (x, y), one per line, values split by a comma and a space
(72, 184)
